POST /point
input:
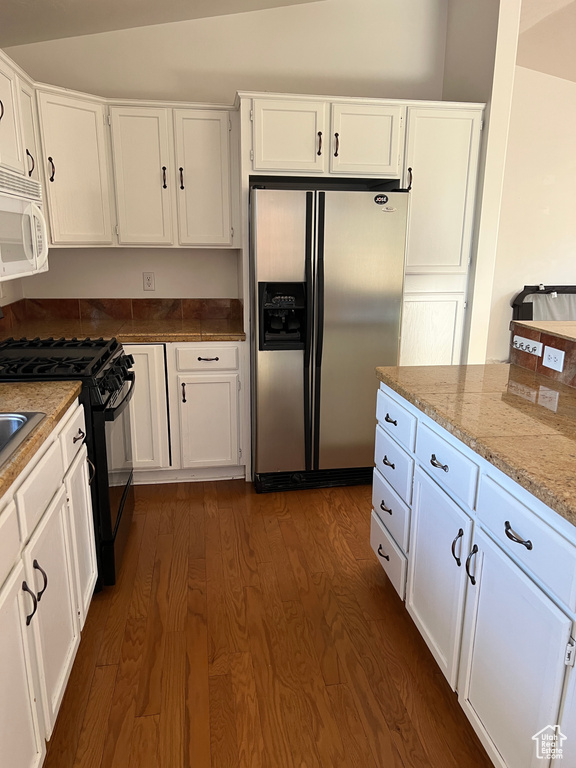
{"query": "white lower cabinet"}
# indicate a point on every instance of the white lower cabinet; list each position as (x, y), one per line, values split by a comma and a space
(439, 543)
(22, 744)
(49, 574)
(148, 407)
(512, 669)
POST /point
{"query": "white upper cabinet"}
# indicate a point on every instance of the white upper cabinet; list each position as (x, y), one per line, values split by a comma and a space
(203, 180)
(29, 117)
(290, 135)
(76, 170)
(340, 138)
(366, 139)
(442, 149)
(144, 174)
(11, 153)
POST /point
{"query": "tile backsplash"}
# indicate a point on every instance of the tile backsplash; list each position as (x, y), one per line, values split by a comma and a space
(547, 338)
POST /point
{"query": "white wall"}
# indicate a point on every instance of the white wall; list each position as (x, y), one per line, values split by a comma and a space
(117, 273)
(373, 48)
(10, 291)
(537, 240)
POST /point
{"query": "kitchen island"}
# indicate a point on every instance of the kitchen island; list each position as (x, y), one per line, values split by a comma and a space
(474, 514)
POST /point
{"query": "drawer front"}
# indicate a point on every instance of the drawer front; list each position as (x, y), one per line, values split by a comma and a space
(546, 554)
(35, 493)
(447, 465)
(9, 540)
(72, 436)
(394, 464)
(205, 358)
(391, 510)
(388, 554)
(396, 420)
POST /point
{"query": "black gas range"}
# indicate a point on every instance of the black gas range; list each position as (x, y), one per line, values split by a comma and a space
(103, 368)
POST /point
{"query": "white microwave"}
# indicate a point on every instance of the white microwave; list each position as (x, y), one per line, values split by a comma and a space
(23, 231)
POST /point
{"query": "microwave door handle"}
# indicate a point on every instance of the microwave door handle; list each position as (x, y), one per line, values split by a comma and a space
(111, 414)
(28, 233)
(42, 256)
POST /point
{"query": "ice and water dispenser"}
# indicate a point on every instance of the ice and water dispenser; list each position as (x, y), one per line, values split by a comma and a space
(282, 315)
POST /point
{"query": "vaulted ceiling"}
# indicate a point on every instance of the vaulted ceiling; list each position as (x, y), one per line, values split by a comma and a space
(31, 21)
(547, 41)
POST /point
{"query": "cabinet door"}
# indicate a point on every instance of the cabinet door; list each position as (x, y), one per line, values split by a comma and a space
(10, 139)
(203, 176)
(144, 174)
(49, 573)
(21, 743)
(148, 408)
(76, 166)
(442, 150)
(82, 540)
(208, 419)
(29, 129)
(367, 139)
(432, 328)
(512, 670)
(290, 135)
(439, 542)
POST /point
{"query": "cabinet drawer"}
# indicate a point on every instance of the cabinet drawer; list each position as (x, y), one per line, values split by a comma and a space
(391, 510)
(548, 555)
(444, 462)
(394, 464)
(37, 490)
(388, 554)
(207, 358)
(72, 436)
(397, 420)
(9, 540)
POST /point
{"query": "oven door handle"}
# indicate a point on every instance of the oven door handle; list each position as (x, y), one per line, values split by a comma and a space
(111, 414)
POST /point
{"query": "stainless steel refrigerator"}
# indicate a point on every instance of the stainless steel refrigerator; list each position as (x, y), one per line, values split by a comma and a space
(327, 278)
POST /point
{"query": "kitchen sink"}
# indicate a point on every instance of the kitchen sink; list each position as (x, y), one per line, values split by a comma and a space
(14, 429)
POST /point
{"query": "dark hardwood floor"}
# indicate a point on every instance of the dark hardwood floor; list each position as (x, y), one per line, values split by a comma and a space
(255, 631)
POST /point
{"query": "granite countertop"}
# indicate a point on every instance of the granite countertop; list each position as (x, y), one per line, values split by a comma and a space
(564, 329)
(52, 398)
(132, 331)
(520, 421)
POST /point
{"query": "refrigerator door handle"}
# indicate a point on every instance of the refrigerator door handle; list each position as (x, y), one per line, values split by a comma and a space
(308, 271)
(321, 215)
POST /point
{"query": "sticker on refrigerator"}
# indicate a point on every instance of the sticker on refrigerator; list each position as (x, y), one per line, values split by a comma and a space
(381, 199)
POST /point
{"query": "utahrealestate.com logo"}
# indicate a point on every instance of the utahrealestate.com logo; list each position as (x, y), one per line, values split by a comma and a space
(549, 743)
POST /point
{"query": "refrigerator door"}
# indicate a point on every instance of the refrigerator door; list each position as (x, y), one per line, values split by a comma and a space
(360, 277)
(281, 254)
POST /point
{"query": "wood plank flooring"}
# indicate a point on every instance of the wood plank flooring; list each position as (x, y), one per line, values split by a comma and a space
(255, 631)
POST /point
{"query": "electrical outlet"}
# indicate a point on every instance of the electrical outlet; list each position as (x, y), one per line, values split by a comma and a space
(553, 358)
(148, 279)
(527, 345)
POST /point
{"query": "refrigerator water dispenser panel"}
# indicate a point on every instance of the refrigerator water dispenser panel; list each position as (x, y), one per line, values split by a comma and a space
(282, 309)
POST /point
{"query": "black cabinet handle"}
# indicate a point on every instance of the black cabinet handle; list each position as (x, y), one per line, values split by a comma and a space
(409, 187)
(384, 508)
(181, 177)
(319, 143)
(37, 566)
(93, 468)
(80, 436)
(513, 536)
(2, 108)
(164, 185)
(458, 536)
(208, 359)
(381, 553)
(435, 463)
(390, 420)
(468, 559)
(388, 463)
(26, 588)
(337, 149)
(31, 170)
(53, 169)
(183, 392)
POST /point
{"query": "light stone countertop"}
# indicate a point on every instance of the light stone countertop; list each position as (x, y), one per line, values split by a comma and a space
(53, 398)
(565, 329)
(521, 422)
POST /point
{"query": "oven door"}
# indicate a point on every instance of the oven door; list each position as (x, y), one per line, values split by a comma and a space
(119, 451)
